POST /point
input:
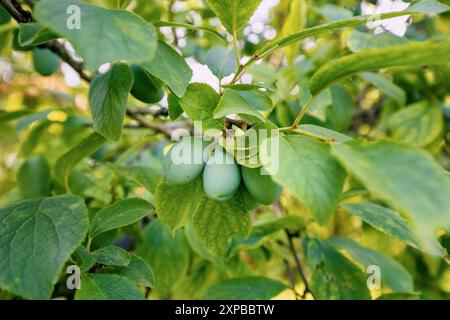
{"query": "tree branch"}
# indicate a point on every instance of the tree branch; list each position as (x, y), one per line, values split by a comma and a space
(166, 129)
(23, 16)
(170, 18)
(299, 265)
(16, 11)
(58, 48)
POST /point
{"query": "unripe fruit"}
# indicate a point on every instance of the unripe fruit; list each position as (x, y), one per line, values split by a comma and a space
(146, 87)
(261, 187)
(45, 62)
(184, 162)
(221, 177)
(250, 203)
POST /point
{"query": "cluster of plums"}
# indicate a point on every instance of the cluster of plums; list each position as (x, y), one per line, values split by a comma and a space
(222, 176)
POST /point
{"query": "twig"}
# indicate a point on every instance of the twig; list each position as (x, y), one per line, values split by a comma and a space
(26, 14)
(302, 113)
(23, 16)
(59, 49)
(242, 68)
(164, 129)
(18, 15)
(173, 29)
(291, 276)
(308, 134)
(161, 112)
(299, 265)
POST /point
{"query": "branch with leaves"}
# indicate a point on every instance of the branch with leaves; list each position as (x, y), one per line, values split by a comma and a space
(120, 206)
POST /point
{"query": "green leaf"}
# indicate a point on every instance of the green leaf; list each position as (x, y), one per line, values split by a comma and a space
(39, 236)
(251, 288)
(201, 274)
(100, 32)
(291, 223)
(83, 259)
(384, 167)
(33, 34)
(144, 176)
(425, 6)
(412, 54)
(175, 109)
(321, 132)
(221, 61)
(341, 111)
(107, 287)
(295, 21)
(233, 103)
(234, 14)
(333, 12)
(161, 23)
(308, 170)
(171, 68)
(248, 86)
(265, 231)
(216, 222)
(428, 6)
(137, 271)
(399, 296)
(120, 4)
(386, 86)
(167, 255)
(70, 159)
(393, 274)
(120, 214)
(319, 106)
(199, 102)
(27, 120)
(112, 256)
(13, 115)
(358, 40)
(33, 178)
(108, 96)
(384, 220)
(199, 249)
(258, 99)
(175, 205)
(334, 276)
(419, 124)
(33, 138)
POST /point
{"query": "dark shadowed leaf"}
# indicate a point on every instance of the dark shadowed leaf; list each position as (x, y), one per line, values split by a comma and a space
(108, 96)
(252, 288)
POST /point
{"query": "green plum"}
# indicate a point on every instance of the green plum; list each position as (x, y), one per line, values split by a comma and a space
(184, 162)
(221, 177)
(45, 62)
(146, 87)
(260, 186)
(250, 203)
